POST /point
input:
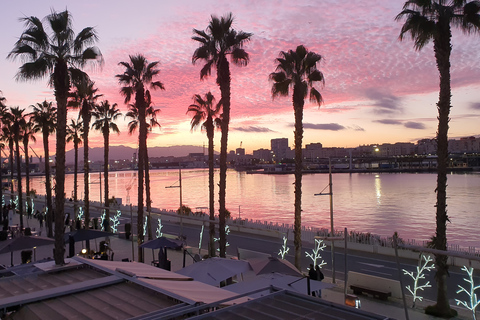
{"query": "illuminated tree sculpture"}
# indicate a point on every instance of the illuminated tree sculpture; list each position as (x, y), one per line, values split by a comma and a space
(227, 232)
(284, 250)
(315, 255)
(80, 213)
(145, 226)
(418, 276)
(201, 237)
(102, 220)
(159, 232)
(115, 221)
(473, 302)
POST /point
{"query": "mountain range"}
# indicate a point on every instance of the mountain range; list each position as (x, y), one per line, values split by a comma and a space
(126, 153)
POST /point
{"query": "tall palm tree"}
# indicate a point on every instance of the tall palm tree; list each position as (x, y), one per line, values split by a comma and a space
(106, 115)
(29, 132)
(298, 70)
(425, 21)
(151, 115)
(18, 122)
(216, 43)
(139, 74)
(44, 115)
(3, 109)
(58, 55)
(205, 115)
(84, 97)
(8, 137)
(74, 134)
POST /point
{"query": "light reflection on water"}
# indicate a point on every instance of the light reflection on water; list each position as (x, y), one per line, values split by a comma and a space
(380, 203)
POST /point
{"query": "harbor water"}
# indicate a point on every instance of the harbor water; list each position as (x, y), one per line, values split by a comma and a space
(378, 203)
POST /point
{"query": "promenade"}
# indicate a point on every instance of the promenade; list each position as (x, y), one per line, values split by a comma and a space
(122, 249)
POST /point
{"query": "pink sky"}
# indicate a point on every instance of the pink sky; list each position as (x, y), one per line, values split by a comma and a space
(377, 89)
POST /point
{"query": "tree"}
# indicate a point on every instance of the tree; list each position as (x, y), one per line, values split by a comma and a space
(298, 70)
(206, 115)
(139, 74)
(44, 116)
(58, 55)
(84, 97)
(18, 121)
(8, 137)
(29, 132)
(151, 115)
(3, 109)
(106, 115)
(425, 21)
(216, 43)
(74, 133)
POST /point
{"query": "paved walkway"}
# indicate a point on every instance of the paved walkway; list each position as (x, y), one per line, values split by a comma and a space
(122, 249)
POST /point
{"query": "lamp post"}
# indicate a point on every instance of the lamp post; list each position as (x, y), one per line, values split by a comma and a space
(332, 235)
(181, 206)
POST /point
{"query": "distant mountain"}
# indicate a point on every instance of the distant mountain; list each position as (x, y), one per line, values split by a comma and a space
(123, 152)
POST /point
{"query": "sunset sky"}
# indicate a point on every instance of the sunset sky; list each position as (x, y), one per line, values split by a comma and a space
(377, 89)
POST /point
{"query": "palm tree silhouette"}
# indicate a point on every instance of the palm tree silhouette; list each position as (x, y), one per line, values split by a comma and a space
(216, 43)
(74, 134)
(297, 70)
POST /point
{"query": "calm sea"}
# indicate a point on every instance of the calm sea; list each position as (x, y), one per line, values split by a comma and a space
(379, 203)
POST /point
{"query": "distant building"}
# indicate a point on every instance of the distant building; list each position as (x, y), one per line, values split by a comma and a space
(240, 151)
(464, 145)
(280, 148)
(263, 155)
(427, 146)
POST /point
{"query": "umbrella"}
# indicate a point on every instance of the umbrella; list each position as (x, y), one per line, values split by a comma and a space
(273, 264)
(215, 270)
(24, 242)
(162, 242)
(282, 281)
(86, 234)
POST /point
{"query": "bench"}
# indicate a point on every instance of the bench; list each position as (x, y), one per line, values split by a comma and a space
(382, 295)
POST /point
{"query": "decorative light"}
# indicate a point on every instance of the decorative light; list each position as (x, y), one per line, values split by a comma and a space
(145, 226)
(159, 228)
(102, 220)
(80, 213)
(115, 221)
(227, 231)
(419, 275)
(201, 237)
(284, 250)
(315, 255)
(474, 302)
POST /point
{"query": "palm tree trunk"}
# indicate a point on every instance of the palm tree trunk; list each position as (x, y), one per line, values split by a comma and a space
(62, 85)
(75, 185)
(148, 194)
(86, 170)
(28, 207)
(105, 175)
(48, 186)
(298, 102)
(211, 189)
(140, 103)
(442, 48)
(11, 146)
(223, 79)
(19, 180)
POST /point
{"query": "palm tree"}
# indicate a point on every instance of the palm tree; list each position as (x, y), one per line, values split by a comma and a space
(298, 70)
(425, 21)
(151, 115)
(18, 122)
(205, 115)
(29, 132)
(3, 109)
(58, 55)
(74, 133)
(8, 137)
(84, 98)
(44, 115)
(217, 42)
(106, 115)
(137, 75)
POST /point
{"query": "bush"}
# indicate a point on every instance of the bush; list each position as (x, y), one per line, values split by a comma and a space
(186, 210)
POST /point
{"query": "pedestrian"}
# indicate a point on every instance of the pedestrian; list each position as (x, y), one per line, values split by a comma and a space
(312, 274)
(320, 277)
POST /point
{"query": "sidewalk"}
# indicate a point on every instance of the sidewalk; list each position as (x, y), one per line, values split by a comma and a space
(122, 249)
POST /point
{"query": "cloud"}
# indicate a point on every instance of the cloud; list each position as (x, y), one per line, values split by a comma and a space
(252, 129)
(388, 121)
(356, 128)
(414, 125)
(384, 103)
(324, 126)
(475, 105)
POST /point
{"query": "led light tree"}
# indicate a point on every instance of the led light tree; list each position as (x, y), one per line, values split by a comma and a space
(473, 302)
(419, 275)
(145, 226)
(102, 220)
(315, 255)
(115, 221)
(159, 232)
(227, 232)
(284, 250)
(79, 214)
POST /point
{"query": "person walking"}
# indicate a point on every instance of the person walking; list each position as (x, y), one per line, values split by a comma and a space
(312, 274)
(320, 277)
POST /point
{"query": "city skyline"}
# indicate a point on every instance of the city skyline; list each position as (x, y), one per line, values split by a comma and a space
(377, 89)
